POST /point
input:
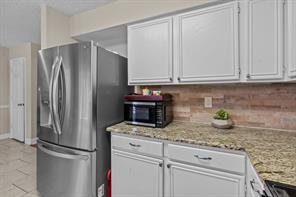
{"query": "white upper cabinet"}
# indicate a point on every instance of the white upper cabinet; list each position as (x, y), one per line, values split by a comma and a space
(263, 39)
(237, 41)
(207, 44)
(291, 40)
(150, 53)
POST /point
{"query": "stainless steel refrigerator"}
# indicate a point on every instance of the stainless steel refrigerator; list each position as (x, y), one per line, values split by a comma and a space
(80, 92)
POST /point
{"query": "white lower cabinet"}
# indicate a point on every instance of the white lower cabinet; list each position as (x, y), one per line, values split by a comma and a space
(188, 181)
(255, 187)
(138, 172)
(135, 175)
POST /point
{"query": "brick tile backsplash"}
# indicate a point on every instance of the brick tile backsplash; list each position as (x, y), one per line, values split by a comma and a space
(260, 105)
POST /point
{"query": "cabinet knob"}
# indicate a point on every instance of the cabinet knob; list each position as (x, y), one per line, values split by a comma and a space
(248, 76)
(160, 164)
(179, 79)
(171, 79)
(169, 165)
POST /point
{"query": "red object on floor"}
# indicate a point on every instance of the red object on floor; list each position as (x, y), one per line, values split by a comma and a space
(34, 145)
(109, 183)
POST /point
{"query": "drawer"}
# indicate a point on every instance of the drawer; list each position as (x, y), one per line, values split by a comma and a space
(207, 158)
(138, 145)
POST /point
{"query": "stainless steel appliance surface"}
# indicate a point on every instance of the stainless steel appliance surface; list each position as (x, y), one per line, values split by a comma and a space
(80, 93)
(150, 111)
(281, 190)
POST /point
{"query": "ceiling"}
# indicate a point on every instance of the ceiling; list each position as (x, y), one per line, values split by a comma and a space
(20, 19)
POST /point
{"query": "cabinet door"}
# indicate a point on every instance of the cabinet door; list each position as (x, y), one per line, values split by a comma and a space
(291, 41)
(255, 187)
(134, 175)
(207, 44)
(189, 181)
(150, 52)
(265, 40)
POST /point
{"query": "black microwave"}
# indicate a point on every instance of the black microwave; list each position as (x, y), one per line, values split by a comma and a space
(151, 111)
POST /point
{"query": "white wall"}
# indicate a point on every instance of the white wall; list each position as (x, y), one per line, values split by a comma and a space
(34, 54)
(58, 29)
(4, 91)
(54, 28)
(125, 11)
(29, 51)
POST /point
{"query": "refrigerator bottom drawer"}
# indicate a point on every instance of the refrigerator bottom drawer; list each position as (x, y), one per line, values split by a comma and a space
(63, 172)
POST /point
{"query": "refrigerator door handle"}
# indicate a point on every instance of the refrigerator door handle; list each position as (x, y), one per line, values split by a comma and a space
(73, 156)
(56, 98)
(51, 92)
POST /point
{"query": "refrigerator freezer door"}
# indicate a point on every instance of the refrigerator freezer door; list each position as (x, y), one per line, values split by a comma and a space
(47, 60)
(65, 172)
(79, 117)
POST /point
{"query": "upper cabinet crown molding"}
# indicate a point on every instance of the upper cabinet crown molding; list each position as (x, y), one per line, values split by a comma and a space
(207, 44)
(150, 52)
(291, 37)
(264, 39)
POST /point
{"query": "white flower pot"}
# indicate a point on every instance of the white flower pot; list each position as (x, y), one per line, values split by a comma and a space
(222, 124)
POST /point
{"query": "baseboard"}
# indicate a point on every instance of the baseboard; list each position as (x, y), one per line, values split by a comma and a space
(4, 106)
(4, 136)
(30, 141)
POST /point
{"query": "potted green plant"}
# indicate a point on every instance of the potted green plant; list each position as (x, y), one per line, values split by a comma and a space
(222, 120)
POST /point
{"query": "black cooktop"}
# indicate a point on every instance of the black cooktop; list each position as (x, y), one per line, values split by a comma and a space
(281, 190)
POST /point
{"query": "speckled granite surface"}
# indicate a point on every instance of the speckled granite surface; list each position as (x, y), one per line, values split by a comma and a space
(272, 152)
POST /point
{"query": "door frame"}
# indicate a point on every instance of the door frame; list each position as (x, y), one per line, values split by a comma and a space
(25, 97)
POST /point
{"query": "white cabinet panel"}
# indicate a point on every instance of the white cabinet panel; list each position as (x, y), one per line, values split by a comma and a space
(291, 41)
(255, 187)
(208, 158)
(264, 40)
(134, 175)
(189, 181)
(137, 145)
(150, 52)
(207, 44)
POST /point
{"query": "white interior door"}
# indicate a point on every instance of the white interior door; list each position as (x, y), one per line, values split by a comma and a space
(17, 98)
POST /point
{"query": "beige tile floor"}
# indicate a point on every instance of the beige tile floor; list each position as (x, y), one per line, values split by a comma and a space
(17, 169)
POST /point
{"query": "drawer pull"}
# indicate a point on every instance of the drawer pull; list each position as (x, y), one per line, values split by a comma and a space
(203, 158)
(134, 145)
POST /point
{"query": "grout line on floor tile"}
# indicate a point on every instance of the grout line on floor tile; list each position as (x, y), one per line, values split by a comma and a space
(20, 188)
(25, 161)
(22, 172)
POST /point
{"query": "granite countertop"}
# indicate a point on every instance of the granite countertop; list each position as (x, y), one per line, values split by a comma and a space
(272, 152)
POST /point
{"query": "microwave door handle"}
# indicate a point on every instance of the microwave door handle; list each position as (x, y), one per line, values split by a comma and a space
(51, 93)
(140, 103)
(56, 98)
